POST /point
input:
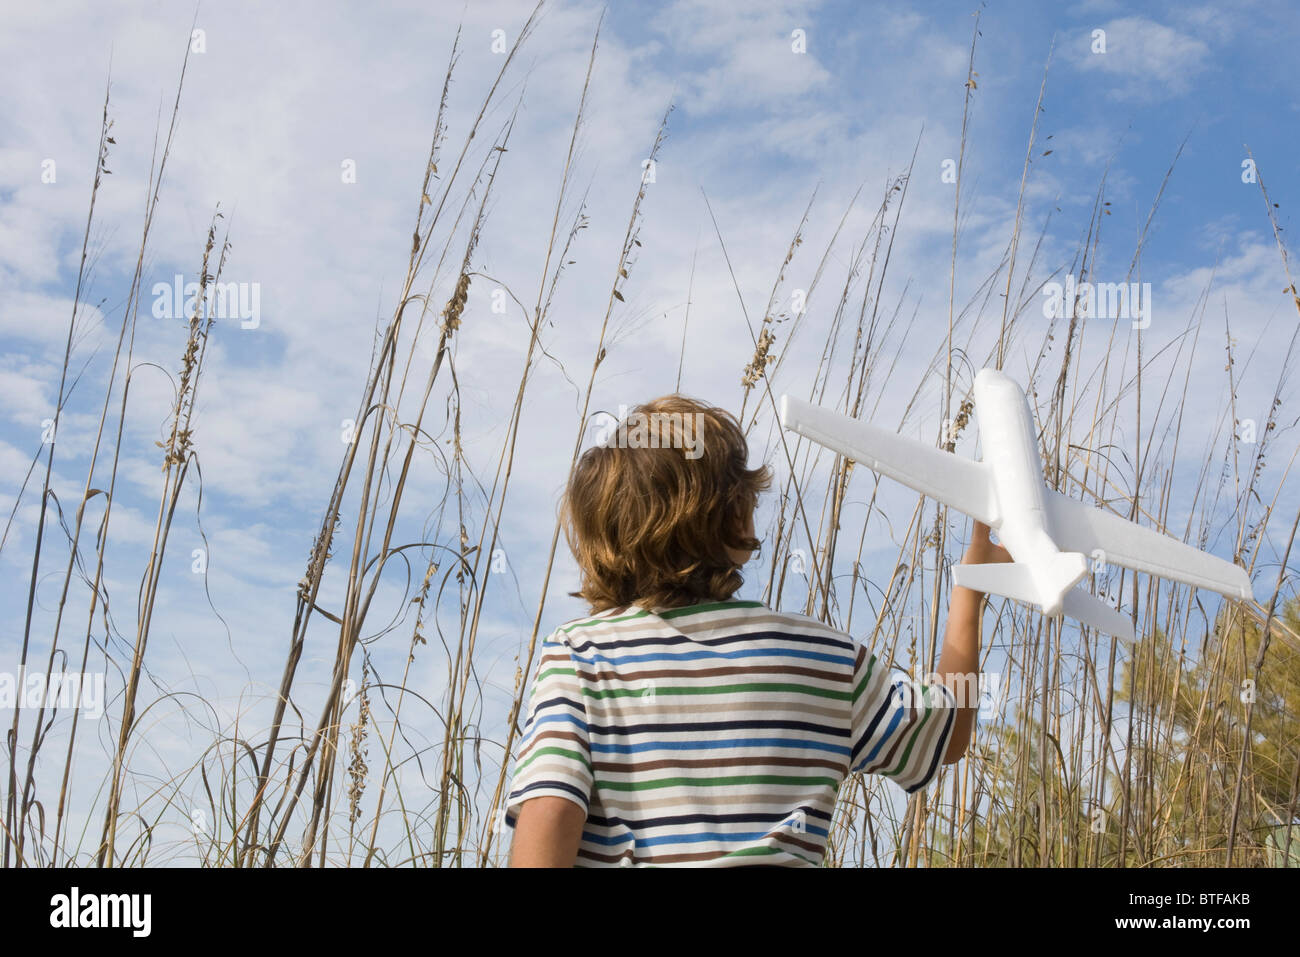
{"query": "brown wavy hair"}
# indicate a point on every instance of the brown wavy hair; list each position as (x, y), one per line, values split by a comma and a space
(651, 513)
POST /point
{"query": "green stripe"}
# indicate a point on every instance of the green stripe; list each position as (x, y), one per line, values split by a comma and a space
(903, 764)
(543, 675)
(714, 689)
(707, 607)
(588, 622)
(716, 782)
(857, 692)
(553, 749)
(686, 610)
(766, 851)
(763, 851)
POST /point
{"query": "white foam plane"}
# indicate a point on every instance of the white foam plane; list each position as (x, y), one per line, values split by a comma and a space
(1049, 535)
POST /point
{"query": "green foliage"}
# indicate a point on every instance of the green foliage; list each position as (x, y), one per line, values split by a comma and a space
(1169, 785)
(1197, 708)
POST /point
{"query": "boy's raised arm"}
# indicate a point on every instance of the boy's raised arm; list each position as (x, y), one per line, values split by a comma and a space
(960, 658)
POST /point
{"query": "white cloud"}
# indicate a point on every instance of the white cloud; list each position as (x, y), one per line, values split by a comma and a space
(744, 56)
(1148, 61)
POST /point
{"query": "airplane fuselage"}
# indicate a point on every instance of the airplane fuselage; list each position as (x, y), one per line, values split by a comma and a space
(1008, 436)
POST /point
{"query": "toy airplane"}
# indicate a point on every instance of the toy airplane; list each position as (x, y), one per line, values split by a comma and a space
(1050, 536)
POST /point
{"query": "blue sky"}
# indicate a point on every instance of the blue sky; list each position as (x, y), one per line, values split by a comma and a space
(284, 94)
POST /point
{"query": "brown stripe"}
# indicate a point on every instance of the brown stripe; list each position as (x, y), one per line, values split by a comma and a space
(546, 735)
(605, 858)
(885, 761)
(903, 732)
(815, 848)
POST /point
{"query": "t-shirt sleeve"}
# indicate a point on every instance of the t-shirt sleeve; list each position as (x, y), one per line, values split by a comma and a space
(900, 728)
(554, 752)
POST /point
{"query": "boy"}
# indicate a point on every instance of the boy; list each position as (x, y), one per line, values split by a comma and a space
(678, 726)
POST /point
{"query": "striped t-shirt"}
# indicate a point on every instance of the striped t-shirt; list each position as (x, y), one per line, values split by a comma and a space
(717, 734)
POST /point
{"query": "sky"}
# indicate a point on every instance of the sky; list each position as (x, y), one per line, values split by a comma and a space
(308, 127)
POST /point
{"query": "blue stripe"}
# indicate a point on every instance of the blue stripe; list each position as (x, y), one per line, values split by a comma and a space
(934, 763)
(558, 716)
(889, 731)
(538, 720)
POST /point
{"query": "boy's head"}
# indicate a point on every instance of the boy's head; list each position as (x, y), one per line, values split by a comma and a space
(662, 513)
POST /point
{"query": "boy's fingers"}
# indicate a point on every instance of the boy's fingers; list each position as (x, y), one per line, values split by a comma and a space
(984, 545)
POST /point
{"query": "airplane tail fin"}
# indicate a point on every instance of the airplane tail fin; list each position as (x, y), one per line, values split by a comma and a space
(1091, 610)
(1015, 580)
(1011, 579)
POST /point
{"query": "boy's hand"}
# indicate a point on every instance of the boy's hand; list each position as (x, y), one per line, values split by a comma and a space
(981, 551)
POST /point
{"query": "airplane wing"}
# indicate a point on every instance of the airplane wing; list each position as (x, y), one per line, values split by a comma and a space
(1091, 610)
(1082, 528)
(955, 481)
